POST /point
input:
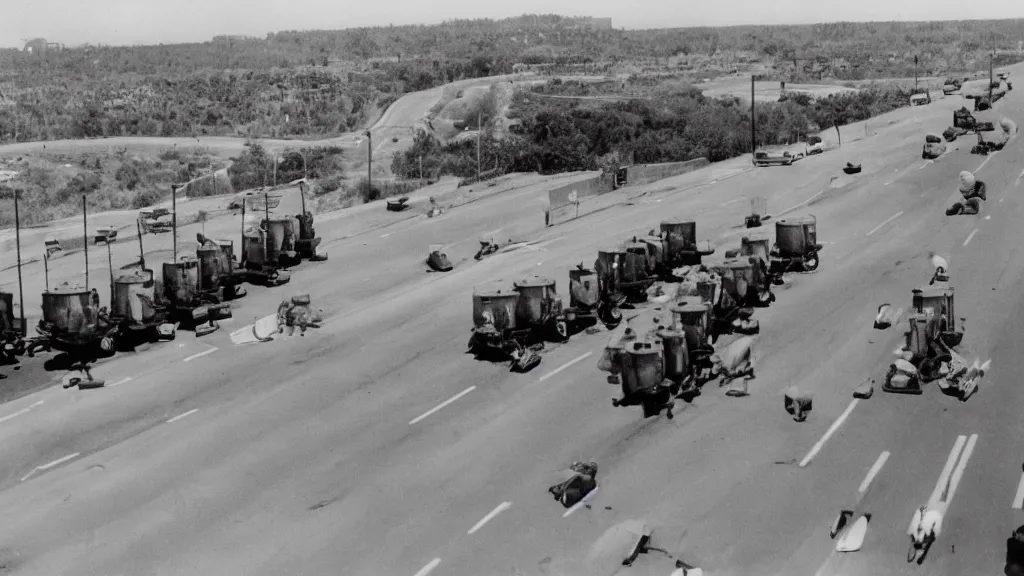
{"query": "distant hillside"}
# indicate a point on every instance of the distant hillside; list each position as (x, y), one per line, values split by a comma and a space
(321, 83)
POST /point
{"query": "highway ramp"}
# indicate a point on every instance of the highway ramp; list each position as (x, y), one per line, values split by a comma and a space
(375, 445)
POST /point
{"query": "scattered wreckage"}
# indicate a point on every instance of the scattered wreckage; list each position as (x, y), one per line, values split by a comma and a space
(973, 192)
(933, 147)
(511, 320)
(796, 245)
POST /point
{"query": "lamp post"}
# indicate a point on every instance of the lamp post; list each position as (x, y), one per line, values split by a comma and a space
(369, 161)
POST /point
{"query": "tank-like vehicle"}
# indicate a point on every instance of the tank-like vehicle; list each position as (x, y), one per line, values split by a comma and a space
(679, 246)
(933, 147)
(638, 365)
(12, 330)
(933, 333)
(694, 318)
(508, 318)
(585, 304)
(219, 273)
(74, 322)
(307, 242)
(135, 306)
(623, 275)
(268, 247)
(745, 279)
(187, 302)
(796, 245)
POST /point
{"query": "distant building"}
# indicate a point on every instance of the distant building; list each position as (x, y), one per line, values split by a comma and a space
(39, 46)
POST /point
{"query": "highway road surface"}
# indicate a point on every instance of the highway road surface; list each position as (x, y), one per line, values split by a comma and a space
(376, 446)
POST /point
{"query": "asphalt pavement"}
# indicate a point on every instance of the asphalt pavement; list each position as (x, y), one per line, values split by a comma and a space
(375, 445)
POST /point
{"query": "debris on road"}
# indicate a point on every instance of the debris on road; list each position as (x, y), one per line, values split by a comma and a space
(296, 312)
(887, 316)
(972, 190)
(438, 260)
(933, 147)
(852, 168)
(398, 205)
(865, 390)
(576, 482)
(798, 404)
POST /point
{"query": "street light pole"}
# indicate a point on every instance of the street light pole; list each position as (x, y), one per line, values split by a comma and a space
(17, 242)
(479, 129)
(369, 162)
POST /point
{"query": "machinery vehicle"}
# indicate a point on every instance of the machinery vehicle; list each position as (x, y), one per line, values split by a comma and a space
(796, 245)
(677, 245)
(134, 306)
(921, 99)
(12, 330)
(307, 242)
(963, 119)
(638, 365)
(852, 168)
(758, 212)
(814, 145)
(934, 147)
(219, 273)
(763, 158)
(186, 300)
(933, 332)
(951, 85)
(509, 318)
(695, 320)
(268, 247)
(745, 279)
(586, 307)
(156, 220)
(622, 274)
(575, 483)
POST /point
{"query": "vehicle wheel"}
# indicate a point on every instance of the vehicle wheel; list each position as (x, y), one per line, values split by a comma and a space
(811, 262)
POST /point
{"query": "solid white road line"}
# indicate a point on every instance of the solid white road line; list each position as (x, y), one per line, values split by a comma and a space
(940, 486)
(442, 405)
(583, 502)
(1018, 499)
(925, 165)
(890, 219)
(969, 236)
(199, 355)
(50, 465)
(875, 469)
(429, 567)
(20, 412)
(122, 381)
(1017, 183)
(959, 472)
(832, 430)
(497, 510)
(180, 416)
(579, 358)
(990, 156)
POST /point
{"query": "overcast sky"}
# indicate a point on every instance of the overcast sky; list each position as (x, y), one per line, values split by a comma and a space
(74, 22)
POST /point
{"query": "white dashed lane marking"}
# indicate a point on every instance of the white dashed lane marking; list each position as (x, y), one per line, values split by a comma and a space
(490, 516)
(441, 405)
(828, 434)
(429, 567)
(970, 236)
(180, 416)
(200, 355)
(20, 412)
(889, 219)
(579, 358)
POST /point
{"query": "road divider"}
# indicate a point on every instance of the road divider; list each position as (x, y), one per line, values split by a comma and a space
(875, 469)
(56, 462)
(442, 405)
(490, 516)
(828, 434)
(575, 360)
(890, 219)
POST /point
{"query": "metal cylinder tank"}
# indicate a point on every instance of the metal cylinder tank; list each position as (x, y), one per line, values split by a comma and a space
(637, 263)
(181, 282)
(755, 245)
(740, 279)
(583, 288)
(127, 288)
(695, 320)
(61, 306)
(495, 302)
(280, 237)
(213, 265)
(920, 334)
(677, 356)
(795, 236)
(708, 291)
(252, 248)
(535, 294)
(680, 233)
(938, 299)
(643, 365)
(608, 267)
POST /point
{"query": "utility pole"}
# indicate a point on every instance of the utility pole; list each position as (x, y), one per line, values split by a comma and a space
(915, 73)
(17, 242)
(421, 170)
(369, 162)
(753, 140)
(85, 234)
(479, 129)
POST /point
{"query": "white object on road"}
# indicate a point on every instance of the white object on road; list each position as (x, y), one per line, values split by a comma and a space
(853, 537)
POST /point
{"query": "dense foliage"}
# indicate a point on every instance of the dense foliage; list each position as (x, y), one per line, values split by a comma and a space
(325, 82)
(561, 135)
